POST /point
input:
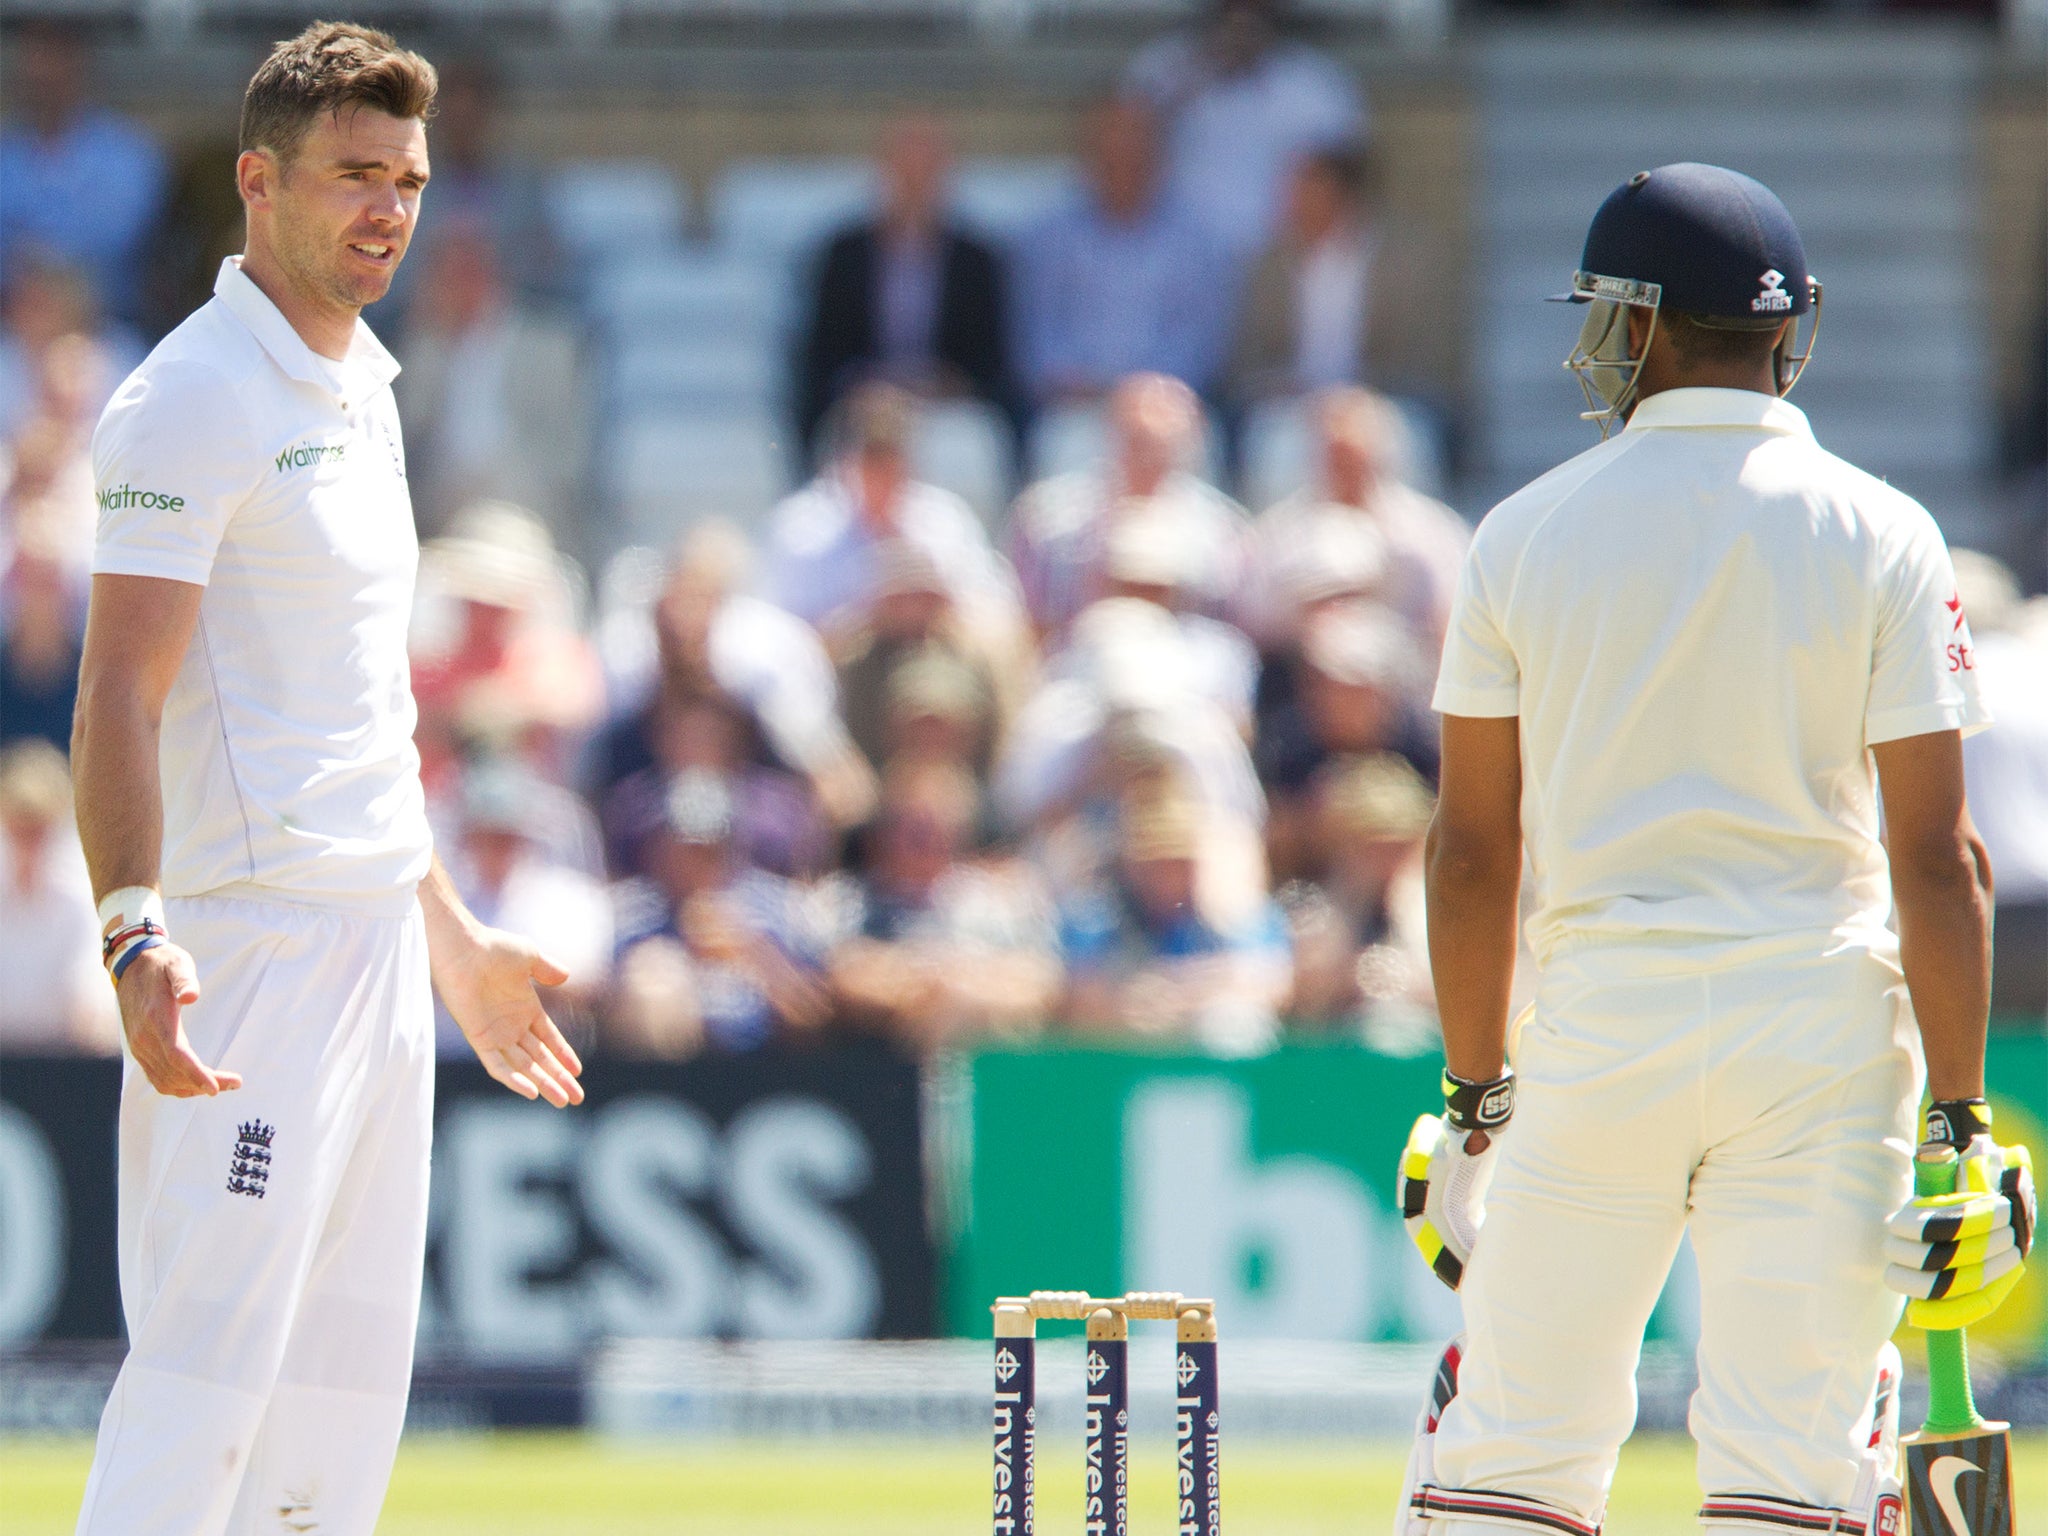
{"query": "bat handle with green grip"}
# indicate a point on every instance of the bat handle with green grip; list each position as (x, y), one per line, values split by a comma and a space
(1951, 1406)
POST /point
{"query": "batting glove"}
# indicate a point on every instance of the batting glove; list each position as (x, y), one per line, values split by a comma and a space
(1958, 1256)
(1443, 1186)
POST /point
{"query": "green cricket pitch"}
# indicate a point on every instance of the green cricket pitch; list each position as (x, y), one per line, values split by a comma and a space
(571, 1485)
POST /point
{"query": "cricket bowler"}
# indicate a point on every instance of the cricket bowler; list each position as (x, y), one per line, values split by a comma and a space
(250, 805)
(1681, 669)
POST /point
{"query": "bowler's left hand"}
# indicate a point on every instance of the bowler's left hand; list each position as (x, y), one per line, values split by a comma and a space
(488, 990)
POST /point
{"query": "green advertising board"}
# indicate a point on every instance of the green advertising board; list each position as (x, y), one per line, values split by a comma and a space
(1266, 1182)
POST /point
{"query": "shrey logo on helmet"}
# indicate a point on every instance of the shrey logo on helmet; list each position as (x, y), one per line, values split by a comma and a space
(1774, 299)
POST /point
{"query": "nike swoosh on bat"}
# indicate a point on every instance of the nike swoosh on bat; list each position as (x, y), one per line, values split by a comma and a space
(1941, 1482)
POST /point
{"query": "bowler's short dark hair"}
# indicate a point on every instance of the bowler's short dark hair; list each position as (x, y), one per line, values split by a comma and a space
(331, 67)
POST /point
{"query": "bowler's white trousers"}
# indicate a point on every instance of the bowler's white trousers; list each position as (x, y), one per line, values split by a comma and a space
(271, 1238)
(1767, 1105)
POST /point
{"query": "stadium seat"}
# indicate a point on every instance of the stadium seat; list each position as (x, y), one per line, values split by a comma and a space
(1000, 197)
(687, 290)
(599, 208)
(777, 211)
(668, 469)
(723, 373)
(964, 446)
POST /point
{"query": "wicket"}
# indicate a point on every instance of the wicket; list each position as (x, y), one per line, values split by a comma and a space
(1106, 1480)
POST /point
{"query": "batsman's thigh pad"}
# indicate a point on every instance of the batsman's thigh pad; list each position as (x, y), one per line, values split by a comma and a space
(1810, 1153)
(1583, 1220)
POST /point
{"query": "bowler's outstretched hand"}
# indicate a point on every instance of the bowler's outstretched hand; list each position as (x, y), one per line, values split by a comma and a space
(490, 993)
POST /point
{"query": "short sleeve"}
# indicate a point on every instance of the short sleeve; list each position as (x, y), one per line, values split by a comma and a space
(1479, 676)
(1923, 666)
(172, 461)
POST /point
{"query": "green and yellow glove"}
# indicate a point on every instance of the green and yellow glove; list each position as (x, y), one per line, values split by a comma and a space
(1957, 1257)
(1443, 1186)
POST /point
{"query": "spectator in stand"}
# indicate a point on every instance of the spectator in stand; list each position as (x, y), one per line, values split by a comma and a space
(1424, 541)
(2007, 771)
(935, 950)
(1147, 955)
(823, 542)
(912, 627)
(46, 303)
(77, 182)
(1358, 923)
(514, 660)
(509, 879)
(47, 459)
(1121, 281)
(1147, 556)
(56, 998)
(1240, 105)
(1333, 560)
(712, 952)
(42, 609)
(1120, 700)
(1060, 527)
(906, 296)
(1359, 693)
(777, 823)
(773, 697)
(492, 399)
(1327, 292)
(936, 711)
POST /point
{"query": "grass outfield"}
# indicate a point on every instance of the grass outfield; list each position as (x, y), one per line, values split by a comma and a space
(566, 1485)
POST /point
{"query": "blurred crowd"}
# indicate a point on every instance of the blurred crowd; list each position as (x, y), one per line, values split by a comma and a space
(1132, 760)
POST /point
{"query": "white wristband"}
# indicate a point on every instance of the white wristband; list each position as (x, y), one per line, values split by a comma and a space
(130, 905)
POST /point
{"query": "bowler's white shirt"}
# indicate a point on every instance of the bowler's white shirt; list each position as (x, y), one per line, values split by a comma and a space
(1703, 624)
(238, 459)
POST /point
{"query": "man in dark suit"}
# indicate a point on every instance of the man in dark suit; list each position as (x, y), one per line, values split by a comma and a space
(906, 296)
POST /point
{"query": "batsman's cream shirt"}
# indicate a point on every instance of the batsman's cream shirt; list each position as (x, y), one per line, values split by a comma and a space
(1703, 625)
(238, 459)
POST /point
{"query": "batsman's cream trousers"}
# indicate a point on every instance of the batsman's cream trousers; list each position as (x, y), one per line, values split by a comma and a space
(1764, 1102)
(270, 1334)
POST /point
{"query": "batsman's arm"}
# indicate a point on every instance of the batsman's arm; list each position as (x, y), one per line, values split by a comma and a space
(1941, 884)
(1473, 864)
(136, 632)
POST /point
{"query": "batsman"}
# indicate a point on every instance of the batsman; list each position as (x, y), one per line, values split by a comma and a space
(1684, 671)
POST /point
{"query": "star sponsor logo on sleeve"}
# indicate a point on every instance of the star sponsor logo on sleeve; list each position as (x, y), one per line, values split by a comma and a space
(1961, 654)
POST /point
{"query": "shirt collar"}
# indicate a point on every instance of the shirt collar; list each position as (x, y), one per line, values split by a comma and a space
(1720, 408)
(266, 322)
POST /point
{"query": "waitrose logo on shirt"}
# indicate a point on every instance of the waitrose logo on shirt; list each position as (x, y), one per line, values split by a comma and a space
(122, 498)
(299, 455)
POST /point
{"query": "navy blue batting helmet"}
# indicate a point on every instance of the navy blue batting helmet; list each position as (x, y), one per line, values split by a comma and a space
(1698, 238)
